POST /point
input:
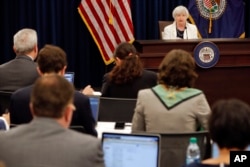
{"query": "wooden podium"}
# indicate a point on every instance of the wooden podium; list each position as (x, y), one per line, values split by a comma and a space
(229, 78)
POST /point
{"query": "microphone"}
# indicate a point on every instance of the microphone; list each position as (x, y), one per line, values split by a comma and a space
(186, 31)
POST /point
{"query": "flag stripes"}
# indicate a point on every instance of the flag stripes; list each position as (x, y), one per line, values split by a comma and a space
(109, 22)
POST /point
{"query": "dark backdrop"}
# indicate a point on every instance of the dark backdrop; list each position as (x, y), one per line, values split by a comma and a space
(58, 22)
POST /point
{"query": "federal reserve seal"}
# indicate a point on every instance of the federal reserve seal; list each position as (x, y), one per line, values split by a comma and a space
(211, 9)
(206, 54)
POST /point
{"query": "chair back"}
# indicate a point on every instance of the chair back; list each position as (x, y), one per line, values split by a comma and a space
(4, 101)
(174, 146)
(116, 109)
(162, 25)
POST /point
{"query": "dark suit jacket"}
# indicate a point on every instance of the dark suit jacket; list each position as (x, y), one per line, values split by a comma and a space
(45, 143)
(20, 112)
(17, 73)
(147, 80)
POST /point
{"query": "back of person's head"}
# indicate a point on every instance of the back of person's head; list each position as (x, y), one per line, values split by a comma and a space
(24, 41)
(177, 69)
(229, 124)
(51, 59)
(180, 10)
(50, 96)
(123, 50)
(129, 66)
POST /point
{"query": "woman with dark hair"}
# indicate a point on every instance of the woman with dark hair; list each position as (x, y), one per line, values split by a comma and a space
(229, 126)
(128, 75)
(172, 105)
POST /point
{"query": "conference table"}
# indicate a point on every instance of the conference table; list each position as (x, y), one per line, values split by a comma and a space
(110, 127)
(228, 78)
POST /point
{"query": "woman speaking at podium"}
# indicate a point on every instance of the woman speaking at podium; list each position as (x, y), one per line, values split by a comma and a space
(180, 28)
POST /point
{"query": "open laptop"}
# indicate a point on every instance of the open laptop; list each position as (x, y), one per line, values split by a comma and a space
(131, 150)
(70, 76)
(94, 104)
(118, 110)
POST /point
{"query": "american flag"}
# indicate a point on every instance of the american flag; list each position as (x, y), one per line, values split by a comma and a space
(109, 22)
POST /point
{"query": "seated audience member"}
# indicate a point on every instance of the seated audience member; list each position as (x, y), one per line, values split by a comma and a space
(127, 76)
(172, 105)
(46, 140)
(21, 71)
(229, 126)
(51, 59)
(180, 28)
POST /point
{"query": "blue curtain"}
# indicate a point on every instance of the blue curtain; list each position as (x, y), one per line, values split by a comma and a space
(58, 22)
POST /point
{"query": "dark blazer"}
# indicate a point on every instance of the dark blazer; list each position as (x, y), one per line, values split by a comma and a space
(17, 73)
(147, 80)
(20, 111)
(43, 142)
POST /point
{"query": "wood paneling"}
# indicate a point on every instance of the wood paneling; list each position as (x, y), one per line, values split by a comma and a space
(229, 78)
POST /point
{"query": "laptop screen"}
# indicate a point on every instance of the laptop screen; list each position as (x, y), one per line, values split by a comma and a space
(94, 104)
(116, 109)
(70, 76)
(127, 150)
